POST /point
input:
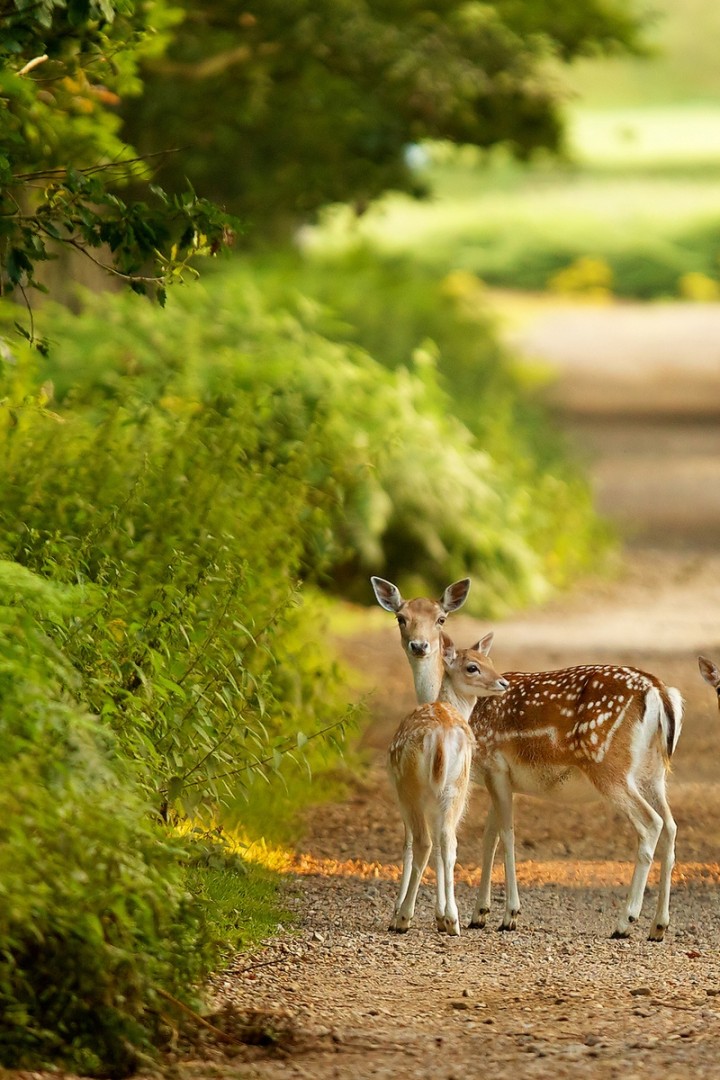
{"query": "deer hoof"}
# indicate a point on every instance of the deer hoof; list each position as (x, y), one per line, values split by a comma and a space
(657, 933)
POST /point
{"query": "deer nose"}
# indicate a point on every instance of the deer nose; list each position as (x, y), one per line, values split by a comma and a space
(503, 684)
(420, 648)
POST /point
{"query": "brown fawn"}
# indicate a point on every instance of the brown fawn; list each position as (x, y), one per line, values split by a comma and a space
(429, 761)
(421, 622)
(710, 673)
(595, 729)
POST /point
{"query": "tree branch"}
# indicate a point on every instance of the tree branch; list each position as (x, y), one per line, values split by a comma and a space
(207, 68)
(31, 64)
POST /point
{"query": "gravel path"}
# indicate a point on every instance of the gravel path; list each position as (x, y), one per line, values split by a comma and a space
(341, 997)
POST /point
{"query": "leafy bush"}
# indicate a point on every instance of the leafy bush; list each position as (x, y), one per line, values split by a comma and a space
(189, 643)
(586, 276)
(698, 287)
(385, 477)
(441, 327)
(179, 511)
(95, 920)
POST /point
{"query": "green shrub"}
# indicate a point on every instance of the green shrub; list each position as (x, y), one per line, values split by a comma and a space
(441, 327)
(587, 277)
(95, 920)
(698, 287)
(387, 478)
(189, 643)
(192, 519)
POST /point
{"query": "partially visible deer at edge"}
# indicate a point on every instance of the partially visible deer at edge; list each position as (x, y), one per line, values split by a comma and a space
(429, 762)
(613, 729)
(711, 674)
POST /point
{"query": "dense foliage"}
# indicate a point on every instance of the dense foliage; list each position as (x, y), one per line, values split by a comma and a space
(64, 68)
(156, 663)
(95, 920)
(381, 473)
(283, 107)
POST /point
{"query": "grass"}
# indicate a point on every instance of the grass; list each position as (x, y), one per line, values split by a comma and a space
(640, 192)
(244, 903)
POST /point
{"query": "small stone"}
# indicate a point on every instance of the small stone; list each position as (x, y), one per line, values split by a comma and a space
(592, 1040)
(641, 991)
(459, 1004)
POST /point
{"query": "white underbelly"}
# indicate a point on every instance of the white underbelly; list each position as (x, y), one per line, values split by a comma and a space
(563, 784)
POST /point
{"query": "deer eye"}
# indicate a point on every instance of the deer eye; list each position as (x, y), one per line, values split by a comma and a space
(472, 669)
(401, 621)
(442, 619)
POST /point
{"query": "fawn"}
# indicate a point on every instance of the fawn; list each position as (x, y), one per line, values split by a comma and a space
(421, 622)
(429, 761)
(612, 728)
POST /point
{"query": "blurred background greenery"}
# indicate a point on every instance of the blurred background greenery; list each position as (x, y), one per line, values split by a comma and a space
(191, 488)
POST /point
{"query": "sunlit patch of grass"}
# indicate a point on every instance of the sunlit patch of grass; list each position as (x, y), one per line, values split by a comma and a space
(240, 882)
(650, 135)
(243, 906)
(639, 191)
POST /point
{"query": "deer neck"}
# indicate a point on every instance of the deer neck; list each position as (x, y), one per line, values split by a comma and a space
(428, 677)
(449, 696)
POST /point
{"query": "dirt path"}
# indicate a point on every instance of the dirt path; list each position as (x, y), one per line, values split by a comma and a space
(344, 998)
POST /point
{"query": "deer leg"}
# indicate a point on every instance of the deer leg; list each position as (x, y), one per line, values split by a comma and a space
(501, 794)
(441, 876)
(406, 872)
(491, 836)
(421, 847)
(666, 849)
(448, 844)
(648, 825)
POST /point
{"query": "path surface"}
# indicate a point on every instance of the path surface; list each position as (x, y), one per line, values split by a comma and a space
(344, 998)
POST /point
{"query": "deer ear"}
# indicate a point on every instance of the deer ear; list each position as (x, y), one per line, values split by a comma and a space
(447, 649)
(709, 671)
(455, 595)
(483, 645)
(387, 595)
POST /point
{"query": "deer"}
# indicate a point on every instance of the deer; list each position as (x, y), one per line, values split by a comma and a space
(710, 673)
(421, 622)
(429, 761)
(590, 730)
